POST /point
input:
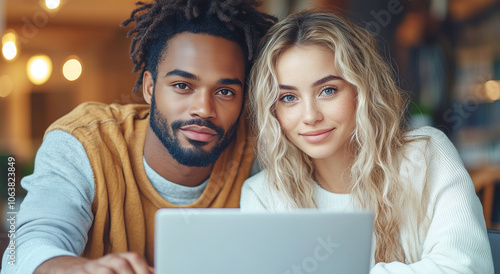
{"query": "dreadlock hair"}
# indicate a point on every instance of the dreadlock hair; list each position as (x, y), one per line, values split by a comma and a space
(155, 23)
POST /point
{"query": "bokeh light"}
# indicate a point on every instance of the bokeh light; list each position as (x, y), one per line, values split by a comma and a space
(9, 45)
(72, 69)
(9, 50)
(52, 4)
(39, 69)
(492, 90)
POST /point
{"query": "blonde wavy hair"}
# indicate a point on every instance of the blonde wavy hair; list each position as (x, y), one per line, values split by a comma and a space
(378, 138)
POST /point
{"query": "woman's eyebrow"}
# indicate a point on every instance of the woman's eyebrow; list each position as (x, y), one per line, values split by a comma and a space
(287, 87)
(326, 79)
(317, 83)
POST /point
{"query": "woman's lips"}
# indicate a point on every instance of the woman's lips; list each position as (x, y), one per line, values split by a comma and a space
(317, 136)
(198, 133)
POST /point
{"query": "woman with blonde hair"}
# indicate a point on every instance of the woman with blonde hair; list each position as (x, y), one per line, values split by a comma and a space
(332, 135)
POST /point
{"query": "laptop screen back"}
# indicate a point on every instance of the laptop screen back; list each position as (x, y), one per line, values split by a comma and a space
(192, 241)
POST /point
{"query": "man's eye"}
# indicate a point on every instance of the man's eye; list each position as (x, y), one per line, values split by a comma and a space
(181, 86)
(225, 92)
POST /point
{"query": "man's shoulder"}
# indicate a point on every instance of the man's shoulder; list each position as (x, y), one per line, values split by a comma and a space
(89, 114)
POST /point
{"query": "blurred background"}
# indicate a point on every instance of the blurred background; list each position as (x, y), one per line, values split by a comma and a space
(57, 54)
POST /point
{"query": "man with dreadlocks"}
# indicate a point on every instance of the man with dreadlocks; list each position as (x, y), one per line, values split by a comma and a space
(104, 170)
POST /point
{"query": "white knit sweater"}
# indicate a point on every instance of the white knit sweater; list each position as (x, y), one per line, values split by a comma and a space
(455, 239)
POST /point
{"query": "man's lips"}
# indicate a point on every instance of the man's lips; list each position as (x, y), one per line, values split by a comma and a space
(198, 133)
(317, 136)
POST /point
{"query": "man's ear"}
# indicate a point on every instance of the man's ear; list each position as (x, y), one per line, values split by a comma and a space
(147, 86)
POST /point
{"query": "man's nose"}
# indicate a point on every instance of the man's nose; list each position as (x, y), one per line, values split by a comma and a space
(202, 105)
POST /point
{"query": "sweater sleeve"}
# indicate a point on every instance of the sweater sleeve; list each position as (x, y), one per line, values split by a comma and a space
(56, 214)
(456, 240)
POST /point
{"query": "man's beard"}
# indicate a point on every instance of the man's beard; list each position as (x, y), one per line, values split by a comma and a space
(195, 156)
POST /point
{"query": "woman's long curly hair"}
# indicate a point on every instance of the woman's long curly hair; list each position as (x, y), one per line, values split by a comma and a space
(378, 138)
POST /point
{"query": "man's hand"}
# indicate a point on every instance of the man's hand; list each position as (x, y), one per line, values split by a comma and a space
(126, 263)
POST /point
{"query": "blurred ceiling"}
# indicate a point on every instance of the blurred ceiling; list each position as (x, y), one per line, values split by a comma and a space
(106, 13)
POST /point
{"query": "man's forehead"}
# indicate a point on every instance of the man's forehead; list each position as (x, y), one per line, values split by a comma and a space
(184, 38)
(201, 54)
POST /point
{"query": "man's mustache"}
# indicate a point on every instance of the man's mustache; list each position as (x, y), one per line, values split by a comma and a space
(204, 123)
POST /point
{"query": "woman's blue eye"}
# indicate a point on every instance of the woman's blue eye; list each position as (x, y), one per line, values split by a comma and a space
(288, 98)
(329, 91)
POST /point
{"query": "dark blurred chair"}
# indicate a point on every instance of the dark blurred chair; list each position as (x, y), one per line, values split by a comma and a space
(494, 236)
(485, 179)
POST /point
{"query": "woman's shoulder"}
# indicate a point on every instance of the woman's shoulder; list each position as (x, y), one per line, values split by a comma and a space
(430, 140)
(429, 153)
(427, 131)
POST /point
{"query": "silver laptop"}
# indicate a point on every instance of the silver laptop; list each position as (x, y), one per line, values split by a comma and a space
(220, 241)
